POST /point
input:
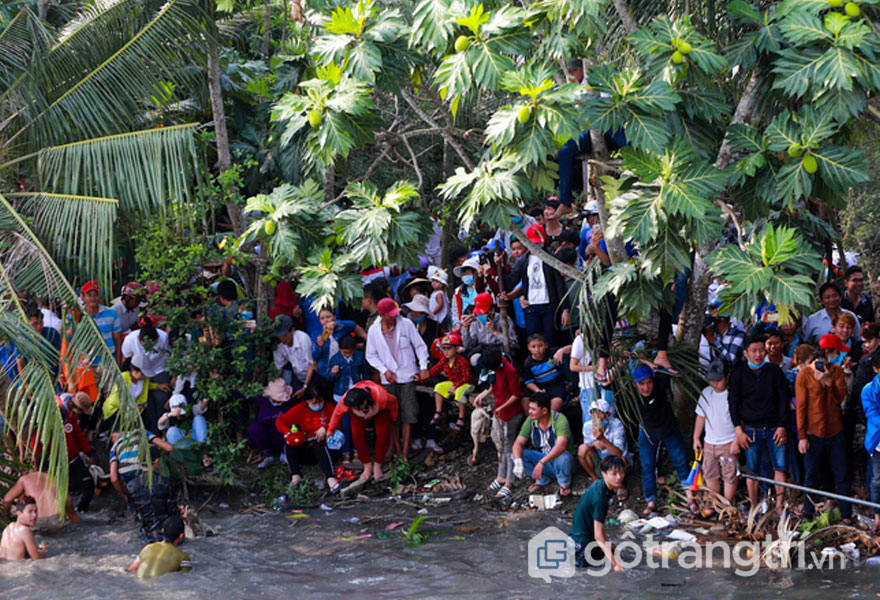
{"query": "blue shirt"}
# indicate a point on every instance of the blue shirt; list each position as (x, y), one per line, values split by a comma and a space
(322, 354)
(108, 323)
(350, 372)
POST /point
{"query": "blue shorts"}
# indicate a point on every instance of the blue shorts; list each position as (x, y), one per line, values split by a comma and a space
(762, 441)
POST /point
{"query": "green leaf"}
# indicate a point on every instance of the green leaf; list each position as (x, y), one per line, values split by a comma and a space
(791, 290)
(793, 182)
(365, 60)
(743, 12)
(840, 168)
(658, 97)
(489, 66)
(669, 252)
(795, 70)
(707, 104)
(473, 21)
(645, 166)
(802, 28)
(431, 27)
(778, 244)
(454, 74)
(343, 21)
(646, 132)
(782, 132)
(745, 137)
(837, 68)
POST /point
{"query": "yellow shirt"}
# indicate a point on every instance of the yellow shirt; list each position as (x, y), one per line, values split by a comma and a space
(160, 558)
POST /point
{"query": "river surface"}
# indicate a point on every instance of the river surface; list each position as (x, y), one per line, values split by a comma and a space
(264, 556)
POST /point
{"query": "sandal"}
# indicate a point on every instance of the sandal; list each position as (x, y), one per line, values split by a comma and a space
(504, 492)
(335, 489)
(495, 485)
(601, 377)
(458, 425)
(666, 371)
(534, 488)
(564, 490)
(438, 416)
(651, 508)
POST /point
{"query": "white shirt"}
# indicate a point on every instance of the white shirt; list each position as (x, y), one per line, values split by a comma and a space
(578, 351)
(432, 248)
(152, 363)
(435, 300)
(538, 293)
(819, 323)
(299, 355)
(50, 319)
(412, 353)
(713, 406)
(127, 318)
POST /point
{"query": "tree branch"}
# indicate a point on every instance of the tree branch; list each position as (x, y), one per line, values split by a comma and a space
(547, 257)
(623, 11)
(447, 135)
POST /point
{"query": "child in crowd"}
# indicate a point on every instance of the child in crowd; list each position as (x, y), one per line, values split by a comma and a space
(604, 435)
(439, 302)
(173, 418)
(588, 526)
(871, 404)
(457, 369)
(346, 368)
(17, 541)
(542, 372)
(713, 416)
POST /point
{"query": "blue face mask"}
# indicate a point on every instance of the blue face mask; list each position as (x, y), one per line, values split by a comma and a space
(837, 360)
(482, 318)
(467, 279)
(754, 366)
(418, 319)
(315, 408)
(604, 423)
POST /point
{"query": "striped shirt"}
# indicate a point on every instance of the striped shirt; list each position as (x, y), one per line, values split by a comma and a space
(125, 452)
(108, 323)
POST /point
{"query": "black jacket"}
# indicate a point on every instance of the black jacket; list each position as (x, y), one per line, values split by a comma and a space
(758, 397)
(555, 284)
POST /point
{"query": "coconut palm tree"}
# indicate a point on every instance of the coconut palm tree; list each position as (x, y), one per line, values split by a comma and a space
(87, 134)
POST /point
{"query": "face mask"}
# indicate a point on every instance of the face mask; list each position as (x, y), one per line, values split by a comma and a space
(482, 318)
(604, 423)
(467, 279)
(316, 408)
(754, 366)
(418, 319)
(837, 360)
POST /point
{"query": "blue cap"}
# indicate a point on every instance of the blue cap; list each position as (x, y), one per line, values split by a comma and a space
(716, 304)
(495, 244)
(641, 373)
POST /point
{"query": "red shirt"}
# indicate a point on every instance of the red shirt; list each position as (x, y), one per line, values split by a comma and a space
(73, 436)
(382, 400)
(458, 370)
(307, 420)
(505, 386)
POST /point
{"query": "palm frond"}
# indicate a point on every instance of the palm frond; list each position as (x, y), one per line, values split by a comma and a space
(20, 42)
(111, 96)
(77, 230)
(30, 407)
(145, 170)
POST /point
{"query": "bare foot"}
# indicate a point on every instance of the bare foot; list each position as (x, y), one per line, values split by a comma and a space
(368, 472)
(295, 479)
(377, 470)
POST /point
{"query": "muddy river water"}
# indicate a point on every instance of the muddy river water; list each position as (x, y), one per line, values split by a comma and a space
(471, 554)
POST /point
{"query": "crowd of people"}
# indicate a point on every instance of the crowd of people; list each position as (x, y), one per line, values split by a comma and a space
(492, 346)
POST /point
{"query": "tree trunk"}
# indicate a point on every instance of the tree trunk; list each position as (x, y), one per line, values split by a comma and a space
(267, 29)
(221, 134)
(330, 182)
(623, 11)
(42, 9)
(296, 11)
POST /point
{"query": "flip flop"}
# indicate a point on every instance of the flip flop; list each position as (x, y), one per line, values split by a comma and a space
(438, 416)
(458, 425)
(564, 490)
(495, 486)
(535, 488)
(651, 508)
(601, 377)
(335, 489)
(504, 492)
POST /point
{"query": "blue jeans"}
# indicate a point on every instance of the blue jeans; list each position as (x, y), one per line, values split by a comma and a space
(559, 468)
(198, 435)
(761, 441)
(539, 319)
(582, 145)
(835, 448)
(649, 449)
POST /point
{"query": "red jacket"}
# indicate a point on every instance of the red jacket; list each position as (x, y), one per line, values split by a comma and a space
(458, 372)
(381, 399)
(73, 436)
(307, 420)
(507, 384)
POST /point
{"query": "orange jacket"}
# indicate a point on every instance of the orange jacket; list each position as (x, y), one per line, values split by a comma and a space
(381, 398)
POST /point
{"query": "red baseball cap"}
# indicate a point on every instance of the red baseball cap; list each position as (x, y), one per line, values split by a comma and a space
(831, 341)
(90, 286)
(482, 303)
(387, 306)
(536, 234)
(453, 338)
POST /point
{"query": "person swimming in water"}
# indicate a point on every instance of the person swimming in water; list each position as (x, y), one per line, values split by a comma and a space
(41, 488)
(163, 557)
(17, 541)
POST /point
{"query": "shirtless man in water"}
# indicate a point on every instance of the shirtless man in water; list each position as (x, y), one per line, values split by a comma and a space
(41, 488)
(17, 541)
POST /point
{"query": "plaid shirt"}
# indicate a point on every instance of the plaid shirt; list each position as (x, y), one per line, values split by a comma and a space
(458, 371)
(729, 345)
